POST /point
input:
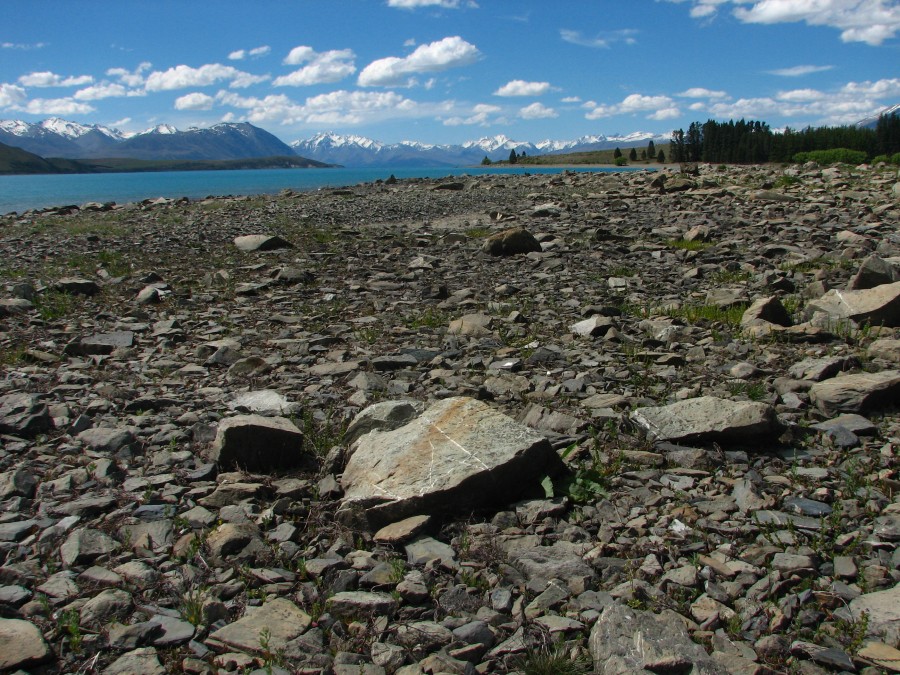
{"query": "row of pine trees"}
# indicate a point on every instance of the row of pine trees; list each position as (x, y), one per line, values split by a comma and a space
(753, 142)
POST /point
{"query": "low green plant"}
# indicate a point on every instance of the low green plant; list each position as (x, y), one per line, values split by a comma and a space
(685, 245)
(755, 391)
(428, 318)
(271, 656)
(693, 313)
(398, 569)
(478, 232)
(53, 304)
(69, 623)
(554, 662)
(323, 432)
(590, 481)
(785, 181)
(191, 607)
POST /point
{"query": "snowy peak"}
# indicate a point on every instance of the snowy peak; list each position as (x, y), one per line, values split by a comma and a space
(872, 122)
(57, 137)
(165, 129)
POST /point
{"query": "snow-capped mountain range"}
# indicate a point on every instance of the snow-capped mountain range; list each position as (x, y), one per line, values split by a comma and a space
(360, 151)
(60, 138)
(56, 137)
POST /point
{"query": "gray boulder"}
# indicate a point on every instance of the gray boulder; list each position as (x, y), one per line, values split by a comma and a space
(511, 242)
(857, 393)
(21, 645)
(625, 641)
(260, 242)
(24, 415)
(877, 306)
(707, 419)
(257, 443)
(460, 453)
(872, 272)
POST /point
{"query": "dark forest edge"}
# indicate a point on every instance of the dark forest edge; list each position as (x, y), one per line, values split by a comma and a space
(753, 142)
(17, 161)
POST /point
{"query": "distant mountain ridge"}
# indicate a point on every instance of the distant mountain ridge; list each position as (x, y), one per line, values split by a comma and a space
(351, 150)
(59, 138)
(872, 122)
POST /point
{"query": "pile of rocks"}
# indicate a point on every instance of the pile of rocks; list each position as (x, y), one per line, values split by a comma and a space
(624, 422)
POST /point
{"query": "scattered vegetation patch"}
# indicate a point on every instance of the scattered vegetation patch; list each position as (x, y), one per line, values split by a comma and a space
(685, 245)
(785, 180)
(478, 232)
(554, 661)
(53, 304)
(730, 276)
(428, 318)
(692, 313)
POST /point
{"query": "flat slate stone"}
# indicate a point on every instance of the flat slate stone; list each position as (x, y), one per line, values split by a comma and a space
(857, 393)
(260, 242)
(281, 618)
(457, 454)
(883, 608)
(24, 415)
(21, 645)
(257, 443)
(708, 419)
(625, 640)
(878, 306)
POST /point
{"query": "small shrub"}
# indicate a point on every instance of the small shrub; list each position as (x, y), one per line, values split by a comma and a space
(833, 156)
(554, 662)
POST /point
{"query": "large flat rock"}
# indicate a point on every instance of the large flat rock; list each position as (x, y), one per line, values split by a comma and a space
(258, 443)
(707, 419)
(626, 641)
(856, 393)
(460, 453)
(21, 645)
(883, 608)
(274, 623)
(877, 306)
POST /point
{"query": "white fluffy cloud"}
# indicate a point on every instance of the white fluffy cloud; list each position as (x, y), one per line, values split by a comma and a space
(602, 41)
(451, 52)
(49, 79)
(537, 111)
(700, 92)
(23, 46)
(194, 101)
(445, 4)
(241, 54)
(182, 77)
(659, 107)
(869, 21)
(11, 95)
(330, 66)
(131, 78)
(337, 107)
(850, 103)
(479, 114)
(523, 88)
(105, 90)
(56, 106)
(799, 71)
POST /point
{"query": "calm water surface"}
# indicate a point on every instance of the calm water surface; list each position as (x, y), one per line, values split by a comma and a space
(20, 193)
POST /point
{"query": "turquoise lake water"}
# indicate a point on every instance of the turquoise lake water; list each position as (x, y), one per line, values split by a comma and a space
(20, 193)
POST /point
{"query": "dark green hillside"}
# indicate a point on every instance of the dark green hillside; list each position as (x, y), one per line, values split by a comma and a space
(18, 161)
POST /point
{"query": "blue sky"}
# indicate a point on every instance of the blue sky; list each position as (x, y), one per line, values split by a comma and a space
(447, 71)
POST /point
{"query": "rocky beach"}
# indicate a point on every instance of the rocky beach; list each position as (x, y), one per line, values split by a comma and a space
(620, 423)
